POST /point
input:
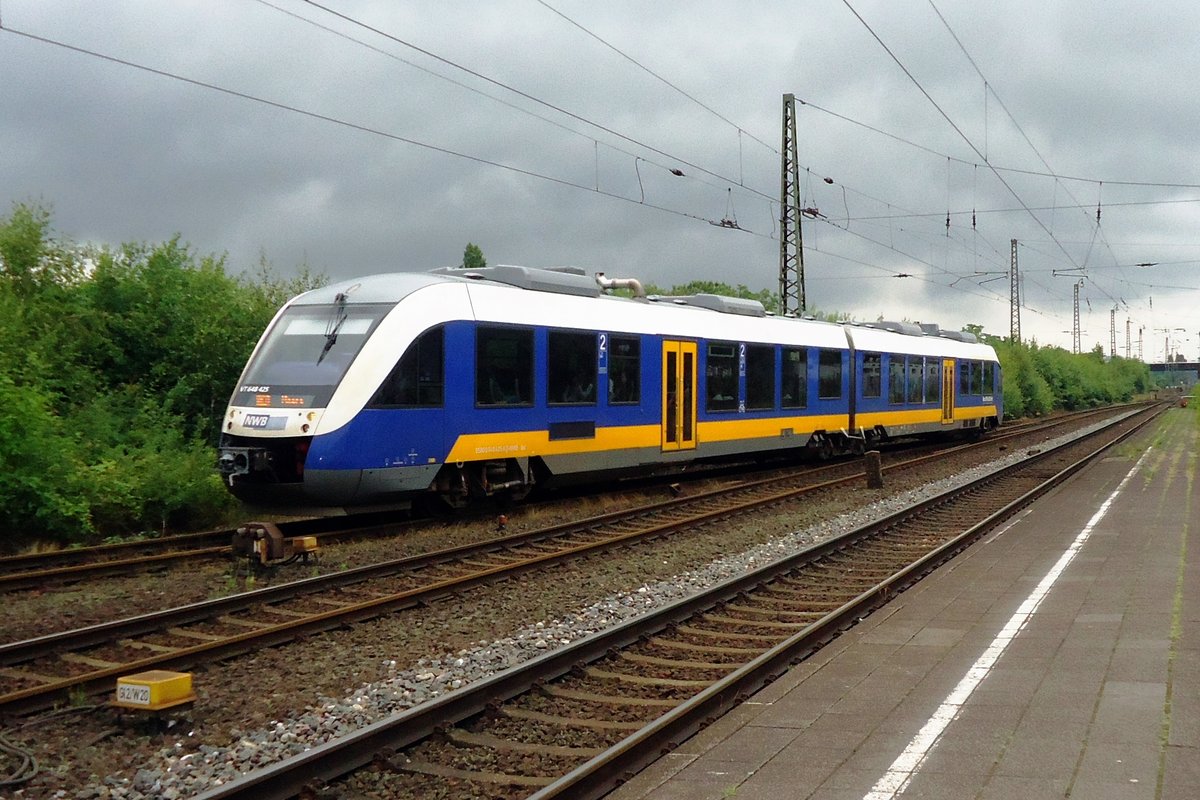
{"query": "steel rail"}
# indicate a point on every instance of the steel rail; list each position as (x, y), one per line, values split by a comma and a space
(39, 570)
(592, 779)
(101, 679)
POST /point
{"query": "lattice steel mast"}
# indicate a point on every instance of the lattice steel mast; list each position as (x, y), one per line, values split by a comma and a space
(1014, 299)
(1112, 332)
(1074, 331)
(791, 241)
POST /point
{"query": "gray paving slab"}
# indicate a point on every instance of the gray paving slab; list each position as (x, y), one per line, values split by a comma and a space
(1098, 696)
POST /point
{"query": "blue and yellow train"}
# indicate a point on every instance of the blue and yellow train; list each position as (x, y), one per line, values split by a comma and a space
(460, 384)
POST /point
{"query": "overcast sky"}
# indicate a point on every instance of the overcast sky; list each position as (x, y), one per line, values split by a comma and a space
(547, 132)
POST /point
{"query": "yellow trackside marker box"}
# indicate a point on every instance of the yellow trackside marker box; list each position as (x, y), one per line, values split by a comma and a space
(304, 544)
(154, 690)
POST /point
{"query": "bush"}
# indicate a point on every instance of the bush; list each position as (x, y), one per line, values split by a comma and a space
(115, 367)
(1038, 380)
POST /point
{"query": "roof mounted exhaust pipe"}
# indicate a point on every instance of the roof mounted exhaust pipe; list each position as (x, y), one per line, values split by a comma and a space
(632, 284)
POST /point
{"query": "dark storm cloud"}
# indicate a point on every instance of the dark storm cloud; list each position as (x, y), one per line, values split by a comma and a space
(1102, 90)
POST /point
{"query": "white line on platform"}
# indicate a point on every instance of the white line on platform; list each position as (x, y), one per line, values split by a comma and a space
(907, 764)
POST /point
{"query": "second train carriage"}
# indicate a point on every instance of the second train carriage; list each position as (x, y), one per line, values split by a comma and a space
(466, 383)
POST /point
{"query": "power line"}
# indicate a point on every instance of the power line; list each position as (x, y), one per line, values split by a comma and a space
(473, 89)
(346, 123)
(997, 167)
(1098, 229)
(532, 98)
(520, 93)
(395, 137)
(1022, 210)
(953, 125)
(651, 72)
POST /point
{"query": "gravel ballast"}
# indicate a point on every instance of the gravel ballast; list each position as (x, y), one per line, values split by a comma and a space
(190, 762)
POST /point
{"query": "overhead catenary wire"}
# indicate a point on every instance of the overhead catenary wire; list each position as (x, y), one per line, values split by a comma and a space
(391, 136)
(521, 93)
(346, 123)
(353, 21)
(991, 165)
(649, 71)
(476, 90)
(846, 221)
(954, 125)
(599, 126)
(1012, 118)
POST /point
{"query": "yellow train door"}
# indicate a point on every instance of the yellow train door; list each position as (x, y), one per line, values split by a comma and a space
(948, 374)
(679, 396)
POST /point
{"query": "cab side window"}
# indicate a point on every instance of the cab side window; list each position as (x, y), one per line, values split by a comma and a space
(417, 380)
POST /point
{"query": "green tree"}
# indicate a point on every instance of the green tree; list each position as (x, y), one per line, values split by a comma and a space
(1039, 379)
(115, 367)
(473, 257)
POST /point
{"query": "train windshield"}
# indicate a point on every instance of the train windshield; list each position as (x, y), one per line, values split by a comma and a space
(306, 353)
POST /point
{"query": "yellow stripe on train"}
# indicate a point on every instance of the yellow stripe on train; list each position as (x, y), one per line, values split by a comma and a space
(771, 427)
(518, 444)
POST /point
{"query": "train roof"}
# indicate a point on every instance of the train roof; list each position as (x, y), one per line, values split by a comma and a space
(491, 299)
(388, 287)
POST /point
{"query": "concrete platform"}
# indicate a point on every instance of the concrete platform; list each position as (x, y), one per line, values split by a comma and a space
(1059, 657)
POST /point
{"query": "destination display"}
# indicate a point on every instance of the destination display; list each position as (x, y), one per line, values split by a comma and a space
(281, 396)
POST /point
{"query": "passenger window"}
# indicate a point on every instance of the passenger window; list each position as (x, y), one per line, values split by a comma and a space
(624, 370)
(964, 377)
(896, 379)
(829, 375)
(721, 376)
(933, 381)
(417, 379)
(976, 377)
(503, 366)
(760, 376)
(989, 379)
(872, 375)
(795, 377)
(915, 382)
(572, 369)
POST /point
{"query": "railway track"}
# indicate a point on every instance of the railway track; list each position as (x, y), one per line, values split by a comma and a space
(47, 569)
(575, 722)
(62, 567)
(39, 672)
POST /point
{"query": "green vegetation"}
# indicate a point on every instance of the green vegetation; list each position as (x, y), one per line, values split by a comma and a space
(115, 367)
(116, 364)
(473, 257)
(1038, 380)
